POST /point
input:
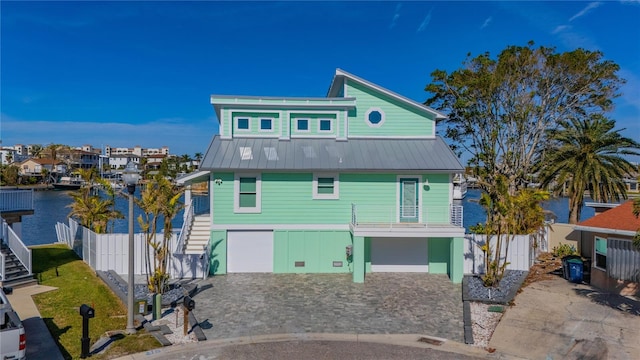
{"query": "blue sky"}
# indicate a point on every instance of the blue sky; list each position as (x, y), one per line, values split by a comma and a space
(141, 73)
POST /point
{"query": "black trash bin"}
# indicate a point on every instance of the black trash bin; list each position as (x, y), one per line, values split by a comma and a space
(575, 270)
(565, 265)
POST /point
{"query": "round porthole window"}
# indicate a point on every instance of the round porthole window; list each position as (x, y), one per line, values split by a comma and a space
(374, 117)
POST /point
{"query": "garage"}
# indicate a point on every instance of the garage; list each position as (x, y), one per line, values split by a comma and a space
(250, 251)
(399, 255)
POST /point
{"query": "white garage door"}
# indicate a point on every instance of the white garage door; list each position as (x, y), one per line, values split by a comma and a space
(399, 255)
(249, 251)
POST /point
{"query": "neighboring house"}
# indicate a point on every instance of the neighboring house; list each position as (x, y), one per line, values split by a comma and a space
(355, 182)
(606, 239)
(120, 161)
(34, 167)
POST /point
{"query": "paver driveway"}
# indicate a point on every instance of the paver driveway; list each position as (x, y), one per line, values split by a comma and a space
(236, 305)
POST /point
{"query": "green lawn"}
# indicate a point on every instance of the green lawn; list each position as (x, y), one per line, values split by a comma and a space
(77, 283)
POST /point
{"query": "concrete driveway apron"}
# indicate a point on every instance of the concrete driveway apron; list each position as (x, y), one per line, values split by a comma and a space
(237, 305)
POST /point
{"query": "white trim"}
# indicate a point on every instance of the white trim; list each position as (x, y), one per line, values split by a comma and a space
(595, 260)
(340, 227)
(347, 76)
(336, 186)
(192, 176)
(420, 186)
(605, 231)
(330, 131)
(383, 117)
(262, 136)
(431, 231)
(271, 120)
(235, 123)
(236, 193)
(345, 119)
(404, 137)
(308, 124)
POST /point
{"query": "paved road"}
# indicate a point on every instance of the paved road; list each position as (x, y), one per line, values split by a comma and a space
(317, 346)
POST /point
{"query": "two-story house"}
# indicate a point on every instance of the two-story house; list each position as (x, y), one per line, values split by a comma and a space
(357, 181)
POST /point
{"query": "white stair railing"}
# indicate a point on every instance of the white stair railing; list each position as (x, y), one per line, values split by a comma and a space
(19, 249)
(186, 228)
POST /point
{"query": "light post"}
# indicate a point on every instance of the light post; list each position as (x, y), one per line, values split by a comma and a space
(130, 176)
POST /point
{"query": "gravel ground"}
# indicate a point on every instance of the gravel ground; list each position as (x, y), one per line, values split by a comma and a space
(141, 291)
(502, 294)
(483, 321)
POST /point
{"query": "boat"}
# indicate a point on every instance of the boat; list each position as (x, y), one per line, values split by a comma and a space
(68, 183)
(459, 187)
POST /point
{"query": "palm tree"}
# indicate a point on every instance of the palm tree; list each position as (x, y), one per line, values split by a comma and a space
(9, 158)
(94, 211)
(36, 151)
(160, 198)
(588, 154)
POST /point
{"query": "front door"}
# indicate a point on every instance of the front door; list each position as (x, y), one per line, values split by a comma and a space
(408, 202)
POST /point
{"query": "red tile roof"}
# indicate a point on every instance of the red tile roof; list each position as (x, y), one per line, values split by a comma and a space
(618, 218)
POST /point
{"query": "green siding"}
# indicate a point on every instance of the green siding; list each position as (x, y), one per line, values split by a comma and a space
(317, 249)
(287, 198)
(218, 256)
(400, 119)
(439, 255)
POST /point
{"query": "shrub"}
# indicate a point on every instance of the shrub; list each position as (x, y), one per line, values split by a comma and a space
(563, 250)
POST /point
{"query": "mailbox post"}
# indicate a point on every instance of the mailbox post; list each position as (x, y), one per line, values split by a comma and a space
(87, 313)
(188, 304)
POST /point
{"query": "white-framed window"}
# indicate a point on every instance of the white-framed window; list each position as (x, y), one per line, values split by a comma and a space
(374, 117)
(326, 186)
(302, 125)
(600, 250)
(325, 125)
(266, 124)
(247, 194)
(242, 123)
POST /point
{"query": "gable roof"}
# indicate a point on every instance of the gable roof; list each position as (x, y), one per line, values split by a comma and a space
(44, 161)
(341, 75)
(619, 220)
(311, 154)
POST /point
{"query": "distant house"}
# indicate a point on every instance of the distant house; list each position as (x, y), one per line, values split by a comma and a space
(34, 167)
(606, 239)
(356, 182)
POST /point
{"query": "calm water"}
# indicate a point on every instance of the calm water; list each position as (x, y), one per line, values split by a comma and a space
(51, 207)
(474, 213)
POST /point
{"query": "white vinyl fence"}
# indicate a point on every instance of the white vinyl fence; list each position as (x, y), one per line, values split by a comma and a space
(523, 250)
(105, 252)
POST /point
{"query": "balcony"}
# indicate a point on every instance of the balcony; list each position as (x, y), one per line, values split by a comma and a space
(400, 221)
(16, 201)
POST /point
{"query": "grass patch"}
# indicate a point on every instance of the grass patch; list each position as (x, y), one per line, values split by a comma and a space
(77, 283)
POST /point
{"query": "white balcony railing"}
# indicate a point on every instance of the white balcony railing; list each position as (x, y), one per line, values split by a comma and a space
(394, 216)
(15, 200)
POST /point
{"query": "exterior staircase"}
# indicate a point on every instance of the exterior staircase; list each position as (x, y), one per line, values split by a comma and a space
(199, 234)
(16, 274)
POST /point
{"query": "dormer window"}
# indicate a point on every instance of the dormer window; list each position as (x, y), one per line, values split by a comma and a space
(324, 125)
(302, 125)
(243, 123)
(266, 124)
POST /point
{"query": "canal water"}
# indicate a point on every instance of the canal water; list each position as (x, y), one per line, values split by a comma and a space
(52, 207)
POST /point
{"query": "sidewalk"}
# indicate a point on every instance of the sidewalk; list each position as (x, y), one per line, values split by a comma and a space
(556, 319)
(39, 339)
